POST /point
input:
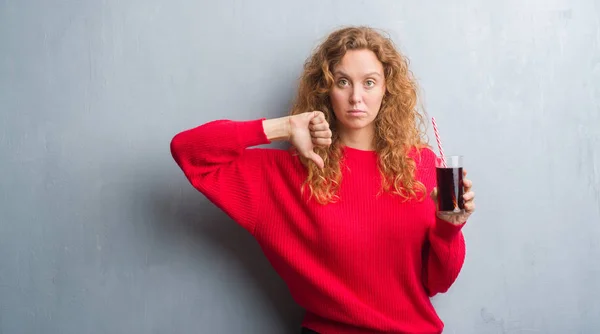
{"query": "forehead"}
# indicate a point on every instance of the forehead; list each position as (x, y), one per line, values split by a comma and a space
(357, 62)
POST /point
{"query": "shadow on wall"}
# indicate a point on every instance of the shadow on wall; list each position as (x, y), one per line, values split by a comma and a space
(187, 214)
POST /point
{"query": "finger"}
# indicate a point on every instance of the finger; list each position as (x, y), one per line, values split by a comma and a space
(318, 127)
(318, 117)
(324, 142)
(311, 115)
(321, 134)
(468, 184)
(464, 172)
(469, 196)
(470, 207)
(316, 158)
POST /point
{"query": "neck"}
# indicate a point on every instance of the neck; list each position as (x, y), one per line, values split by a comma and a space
(361, 139)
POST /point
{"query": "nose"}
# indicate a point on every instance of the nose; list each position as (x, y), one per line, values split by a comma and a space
(356, 95)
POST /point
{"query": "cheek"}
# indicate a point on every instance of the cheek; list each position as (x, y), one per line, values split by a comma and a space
(336, 97)
(374, 100)
(337, 100)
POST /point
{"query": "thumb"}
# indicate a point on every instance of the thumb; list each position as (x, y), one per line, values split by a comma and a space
(311, 115)
(433, 194)
(316, 158)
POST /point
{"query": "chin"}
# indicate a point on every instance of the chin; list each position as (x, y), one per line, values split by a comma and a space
(356, 124)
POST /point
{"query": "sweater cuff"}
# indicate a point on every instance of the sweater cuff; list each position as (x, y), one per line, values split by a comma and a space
(446, 230)
(252, 133)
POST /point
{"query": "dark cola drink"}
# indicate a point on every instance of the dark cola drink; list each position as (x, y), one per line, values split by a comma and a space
(449, 173)
(450, 189)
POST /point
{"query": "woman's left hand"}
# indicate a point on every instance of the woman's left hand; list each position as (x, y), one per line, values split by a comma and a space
(469, 199)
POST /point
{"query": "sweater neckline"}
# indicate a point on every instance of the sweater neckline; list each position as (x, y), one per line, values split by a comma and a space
(356, 151)
(357, 156)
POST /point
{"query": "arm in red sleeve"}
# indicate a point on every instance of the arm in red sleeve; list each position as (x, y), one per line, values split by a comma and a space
(216, 160)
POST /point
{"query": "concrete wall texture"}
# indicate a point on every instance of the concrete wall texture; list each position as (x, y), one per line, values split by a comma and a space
(101, 233)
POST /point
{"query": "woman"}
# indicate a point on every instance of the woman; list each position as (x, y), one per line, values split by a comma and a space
(343, 217)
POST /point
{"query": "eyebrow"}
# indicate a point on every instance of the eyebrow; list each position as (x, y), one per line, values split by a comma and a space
(342, 73)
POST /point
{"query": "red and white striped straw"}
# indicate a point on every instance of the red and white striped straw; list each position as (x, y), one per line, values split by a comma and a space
(439, 142)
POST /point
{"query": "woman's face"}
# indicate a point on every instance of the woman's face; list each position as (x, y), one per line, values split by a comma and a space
(359, 87)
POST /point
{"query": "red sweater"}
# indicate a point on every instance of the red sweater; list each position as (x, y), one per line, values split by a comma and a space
(366, 264)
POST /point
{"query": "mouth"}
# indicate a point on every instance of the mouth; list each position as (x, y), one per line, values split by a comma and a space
(356, 112)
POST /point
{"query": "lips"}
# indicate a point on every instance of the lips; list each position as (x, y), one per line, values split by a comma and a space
(356, 111)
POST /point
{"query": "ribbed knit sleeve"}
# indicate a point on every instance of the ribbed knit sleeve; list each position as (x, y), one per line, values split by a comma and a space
(445, 255)
(216, 160)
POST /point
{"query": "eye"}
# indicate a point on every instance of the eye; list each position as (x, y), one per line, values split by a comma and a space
(342, 82)
(370, 83)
